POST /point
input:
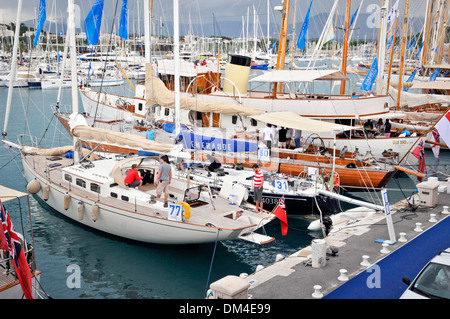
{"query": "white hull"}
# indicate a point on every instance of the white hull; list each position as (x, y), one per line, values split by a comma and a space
(98, 83)
(130, 224)
(108, 111)
(402, 145)
(55, 84)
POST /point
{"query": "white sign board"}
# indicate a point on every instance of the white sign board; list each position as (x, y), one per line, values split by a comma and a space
(264, 154)
(281, 186)
(175, 212)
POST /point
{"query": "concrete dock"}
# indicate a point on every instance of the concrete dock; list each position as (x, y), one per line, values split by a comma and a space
(293, 277)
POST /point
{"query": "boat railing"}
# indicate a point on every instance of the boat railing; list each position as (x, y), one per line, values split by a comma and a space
(7, 269)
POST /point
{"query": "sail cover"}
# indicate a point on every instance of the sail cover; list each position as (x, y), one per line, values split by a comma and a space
(109, 137)
(286, 76)
(295, 121)
(158, 94)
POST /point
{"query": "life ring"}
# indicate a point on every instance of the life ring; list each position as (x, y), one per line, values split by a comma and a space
(187, 209)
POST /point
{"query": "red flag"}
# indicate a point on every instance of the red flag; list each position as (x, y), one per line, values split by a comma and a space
(419, 153)
(15, 248)
(280, 212)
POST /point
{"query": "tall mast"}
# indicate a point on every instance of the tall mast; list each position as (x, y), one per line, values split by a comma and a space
(12, 75)
(402, 56)
(73, 71)
(392, 55)
(344, 52)
(282, 44)
(427, 32)
(147, 34)
(176, 56)
(382, 41)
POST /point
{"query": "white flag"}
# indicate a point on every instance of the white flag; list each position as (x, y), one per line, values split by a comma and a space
(443, 127)
(392, 14)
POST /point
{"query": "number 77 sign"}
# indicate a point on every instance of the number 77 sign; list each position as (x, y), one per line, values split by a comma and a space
(175, 212)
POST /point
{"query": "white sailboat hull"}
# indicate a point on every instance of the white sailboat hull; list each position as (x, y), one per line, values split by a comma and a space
(130, 224)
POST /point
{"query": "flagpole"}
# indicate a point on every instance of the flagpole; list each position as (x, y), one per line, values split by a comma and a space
(402, 56)
(282, 44)
(344, 52)
(273, 209)
(391, 56)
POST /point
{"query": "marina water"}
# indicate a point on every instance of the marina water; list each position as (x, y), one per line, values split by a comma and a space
(80, 263)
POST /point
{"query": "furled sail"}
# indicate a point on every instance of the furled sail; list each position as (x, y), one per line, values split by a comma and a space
(158, 94)
(84, 132)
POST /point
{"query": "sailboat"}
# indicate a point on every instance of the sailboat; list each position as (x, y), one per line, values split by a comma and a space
(16, 283)
(91, 190)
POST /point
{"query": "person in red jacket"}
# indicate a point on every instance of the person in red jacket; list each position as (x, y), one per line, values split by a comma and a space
(133, 179)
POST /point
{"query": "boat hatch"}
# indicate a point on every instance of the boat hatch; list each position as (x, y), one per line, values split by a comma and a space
(192, 196)
(256, 238)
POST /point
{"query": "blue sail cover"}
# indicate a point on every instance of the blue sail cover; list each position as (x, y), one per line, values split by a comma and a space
(209, 143)
(93, 22)
(41, 20)
(370, 77)
(302, 37)
(123, 30)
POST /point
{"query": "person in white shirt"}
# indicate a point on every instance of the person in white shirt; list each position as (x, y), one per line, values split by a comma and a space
(268, 136)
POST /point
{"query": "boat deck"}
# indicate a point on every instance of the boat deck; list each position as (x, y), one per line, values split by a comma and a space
(220, 214)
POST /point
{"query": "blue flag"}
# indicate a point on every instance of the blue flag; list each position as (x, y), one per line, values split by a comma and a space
(411, 44)
(302, 36)
(272, 46)
(410, 79)
(434, 75)
(370, 77)
(93, 22)
(41, 20)
(123, 29)
(353, 18)
(418, 53)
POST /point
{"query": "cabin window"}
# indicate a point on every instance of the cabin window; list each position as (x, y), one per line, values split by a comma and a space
(124, 198)
(113, 195)
(68, 178)
(95, 188)
(166, 112)
(253, 122)
(234, 119)
(140, 106)
(80, 182)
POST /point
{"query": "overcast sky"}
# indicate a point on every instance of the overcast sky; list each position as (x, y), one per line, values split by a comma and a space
(200, 11)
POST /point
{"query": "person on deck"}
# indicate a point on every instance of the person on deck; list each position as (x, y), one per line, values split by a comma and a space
(387, 128)
(164, 178)
(268, 136)
(297, 137)
(133, 179)
(151, 134)
(282, 137)
(258, 182)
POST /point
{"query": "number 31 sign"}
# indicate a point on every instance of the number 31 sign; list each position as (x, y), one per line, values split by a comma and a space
(281, 186)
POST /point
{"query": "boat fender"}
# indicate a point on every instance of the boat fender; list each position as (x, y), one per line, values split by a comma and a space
(80, 210)
(187, 210)
(95, 209)
(336, 180)
(46, 192)
(66, 201)
(33, 187)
